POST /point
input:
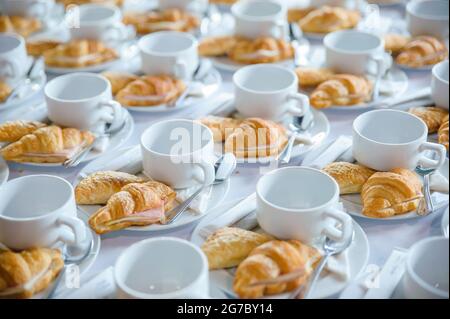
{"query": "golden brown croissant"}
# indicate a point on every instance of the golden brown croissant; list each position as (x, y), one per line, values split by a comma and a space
(229, 246)
(29, 272)
(5, 91)
(137, 204)
(97, 188)
(432, 116)
(311, 77)
(296, 14)
(422, 51)
(221, 127)
(350, 177)
(80, 2)
(151, 90)
(261, 50)
(79, 53)
(167, 20)
(119, 80)
(394, 43)
(386, 194)
(342, 90)
(223, 1)
(37, 48)
(443, 133)
(50, 144)
(217, 46)
(271, 260)
(329, 19)
(13, 131)
(256, 137)
(23, 26)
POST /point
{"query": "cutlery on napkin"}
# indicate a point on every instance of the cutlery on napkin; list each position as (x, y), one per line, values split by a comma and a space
(328, 153)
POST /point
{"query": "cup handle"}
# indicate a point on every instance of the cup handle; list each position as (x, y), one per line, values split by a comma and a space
(344, 219)
(436, 148)
(302, 106)
(14, 68)
(117, 32)
(208, 172)
(180, 69)
(78, 230)
(117, 118)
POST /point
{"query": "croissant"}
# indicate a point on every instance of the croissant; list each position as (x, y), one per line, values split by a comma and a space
(422, 51)
(271, 260)
(97, 188)
(13, 131)
(296, 14)
(223, 1)
(137, 204)
(432, 116)
(261, 50)
(151, 91)
(342, 90)
(443, 133)
(29, 272)
(167, 20)
(395, 43)
(67, 3)
(221, 127)
(228, 246)
(37, 48)
(350, 177)
(50, 144)
(311, 77)
(79, 53)
(24, 26)
(329, 19)
(5, 91)
(119, 80)
(256, 137)
(217, 46)
(386, 194)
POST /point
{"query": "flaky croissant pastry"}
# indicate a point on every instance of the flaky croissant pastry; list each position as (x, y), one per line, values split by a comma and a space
(422, 51)
(79, 53)
(217, 46)
(137, 204)
(29, 272)
(167, 20)
(229, 246)
(97, 188)
(443, 133)
(81, 2)
(296, 14)
(261, 50)
(221, 127)
(37, 48)
(151, 90)
(432, 116)
(255, 138)
(13, 131)
(329, 19)
(271, 260)
(119, 80)
(50, 144)
(311, 77)
(342, 90)
(23, 26)
(350, 177)
(394, 43)
(5, 91)
(386, 194)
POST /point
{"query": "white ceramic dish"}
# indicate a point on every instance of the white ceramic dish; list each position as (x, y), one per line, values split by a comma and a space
(327, 286)
(444, 223)
(217, 196)
(4, 171)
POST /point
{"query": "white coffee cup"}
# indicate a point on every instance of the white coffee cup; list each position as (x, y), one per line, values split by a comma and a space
(27, 8)
(39, 211)
(354, 52)
(439, 84)
(168, 52)
(426, 275)
(100, 22)
(13, 57)
(162, 268)
(428, 17)
(300, 203)
(179, 153)
(259, 18)
(388, 139)
(187, 5)
(268, 91)
(83, 101)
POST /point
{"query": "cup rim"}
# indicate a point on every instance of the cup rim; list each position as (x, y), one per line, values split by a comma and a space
(235, 10)
(415, 276)
(62, 77)
(357, 131)
(146, 132)
(411, 5)
(296, 210)
(15, 36)
(437, 67)
(260, 66)
(143, 49)
(115, 10)
(144, 242)
(331, 35)
(43, 216)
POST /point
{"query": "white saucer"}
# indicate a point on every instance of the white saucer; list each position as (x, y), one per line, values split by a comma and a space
(444, 223)
(4, 171)
(390, 3)
(352, 203)
(327, 286)
(218, 194)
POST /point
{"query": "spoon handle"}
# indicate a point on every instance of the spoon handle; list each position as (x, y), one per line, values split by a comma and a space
(285, 156)
(174, 213)
(426, 206)
(57, 283)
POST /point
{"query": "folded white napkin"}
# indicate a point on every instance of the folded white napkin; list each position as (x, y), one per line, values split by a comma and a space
(198, 205)
(328, 153)
(439, 183)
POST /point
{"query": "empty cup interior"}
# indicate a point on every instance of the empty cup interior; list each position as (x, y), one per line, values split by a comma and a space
(166, 43)
(390, 127)
(76, 87)
(8, 43)
(33, 196)
(257, 9)
(297, 188)
(264, 78)
(433, 9)
(352, 41)
(92, 14)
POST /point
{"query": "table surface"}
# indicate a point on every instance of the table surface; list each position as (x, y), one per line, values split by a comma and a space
(383, 236)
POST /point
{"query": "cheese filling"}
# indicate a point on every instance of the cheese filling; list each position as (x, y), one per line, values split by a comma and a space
(67, 153)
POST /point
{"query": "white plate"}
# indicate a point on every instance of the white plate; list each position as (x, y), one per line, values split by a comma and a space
(217, 196)
(212, 83)
(4, 171)
(39, 113)
(444, 223)
(327, 286)
(353, 205)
